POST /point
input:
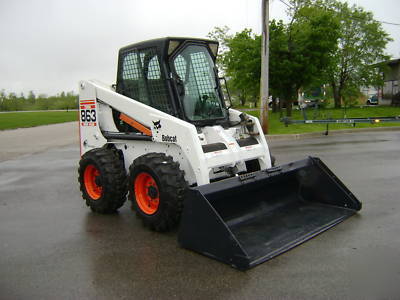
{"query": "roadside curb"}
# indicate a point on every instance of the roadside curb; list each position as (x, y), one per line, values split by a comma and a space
(308, 135)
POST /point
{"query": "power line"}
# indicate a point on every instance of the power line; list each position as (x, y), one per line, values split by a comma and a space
(286, 4)
(390, 23)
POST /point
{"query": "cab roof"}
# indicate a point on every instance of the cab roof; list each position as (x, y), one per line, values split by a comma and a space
(162, 43)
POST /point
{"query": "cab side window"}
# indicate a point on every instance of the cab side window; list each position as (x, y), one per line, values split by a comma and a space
(142, 79)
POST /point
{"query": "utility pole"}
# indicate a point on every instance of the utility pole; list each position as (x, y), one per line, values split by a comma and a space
(264, 67)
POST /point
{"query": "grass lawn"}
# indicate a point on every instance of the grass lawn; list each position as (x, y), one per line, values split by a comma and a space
(31, 119)
(277, 127)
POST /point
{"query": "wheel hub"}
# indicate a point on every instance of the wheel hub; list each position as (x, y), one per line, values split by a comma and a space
(98, 181)
(146, 193)
(92, 181)
(152, 192)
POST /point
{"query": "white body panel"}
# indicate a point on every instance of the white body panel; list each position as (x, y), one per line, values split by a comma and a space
(172, 136)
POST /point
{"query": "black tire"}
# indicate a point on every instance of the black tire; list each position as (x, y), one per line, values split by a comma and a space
(168, 190)
(107, 192)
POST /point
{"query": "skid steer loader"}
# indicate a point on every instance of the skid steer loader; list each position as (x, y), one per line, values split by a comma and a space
(165, 136)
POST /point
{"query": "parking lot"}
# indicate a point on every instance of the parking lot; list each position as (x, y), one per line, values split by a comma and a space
(52, 246)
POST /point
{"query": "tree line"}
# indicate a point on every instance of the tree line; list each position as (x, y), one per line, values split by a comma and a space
(13, 102)
(325, 42)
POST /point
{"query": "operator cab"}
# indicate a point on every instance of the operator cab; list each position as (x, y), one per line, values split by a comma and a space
(175, 75)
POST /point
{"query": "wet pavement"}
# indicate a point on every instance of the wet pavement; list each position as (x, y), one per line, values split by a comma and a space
(53, 247)
(21, 141)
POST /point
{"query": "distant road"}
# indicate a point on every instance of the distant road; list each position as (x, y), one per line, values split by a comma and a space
(21, 141)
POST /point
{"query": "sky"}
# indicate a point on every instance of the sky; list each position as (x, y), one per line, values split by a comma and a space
(48, 46)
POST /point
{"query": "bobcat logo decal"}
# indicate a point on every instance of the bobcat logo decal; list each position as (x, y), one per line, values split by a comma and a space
(157, 124)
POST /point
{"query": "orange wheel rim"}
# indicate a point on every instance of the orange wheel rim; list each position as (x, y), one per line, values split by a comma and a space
(90, 178)
(146, 193)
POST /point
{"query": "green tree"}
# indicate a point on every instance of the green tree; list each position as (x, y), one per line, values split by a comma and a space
(3, 98)
(361, 44)
(221, 35)
(301, 50)
(299, 53)
(243, 64)
(31, 95)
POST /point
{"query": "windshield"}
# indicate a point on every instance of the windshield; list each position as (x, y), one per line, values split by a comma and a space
(195, 70)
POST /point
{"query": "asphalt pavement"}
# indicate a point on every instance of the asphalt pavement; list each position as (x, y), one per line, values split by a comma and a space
(17, 142)
(53, 247)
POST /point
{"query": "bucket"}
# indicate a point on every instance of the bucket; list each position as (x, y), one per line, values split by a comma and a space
(249, 219)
